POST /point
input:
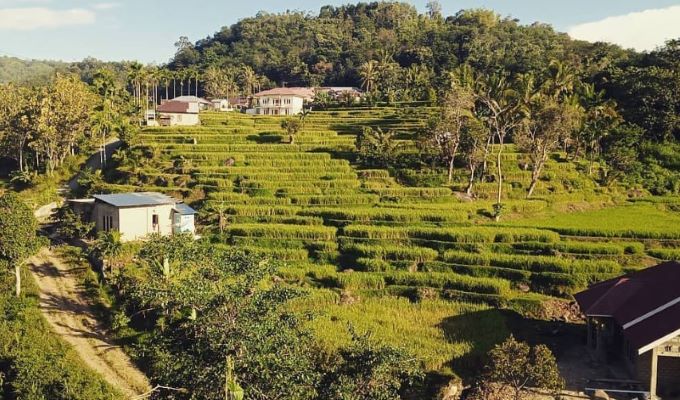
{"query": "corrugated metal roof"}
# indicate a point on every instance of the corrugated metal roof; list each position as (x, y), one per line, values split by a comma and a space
(177, 107)
(638, 301)
(136, 199)
(184, 209)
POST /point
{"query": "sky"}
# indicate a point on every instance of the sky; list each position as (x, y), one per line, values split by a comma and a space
(146, 30)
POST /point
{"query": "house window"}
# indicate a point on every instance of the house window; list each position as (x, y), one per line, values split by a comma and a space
(154, 219)
(110, 222)
(104, 222)
(179, 118)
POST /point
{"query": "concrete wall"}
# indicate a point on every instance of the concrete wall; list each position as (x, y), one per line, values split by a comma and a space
(103, 210)
(176, 119)
(136, 222)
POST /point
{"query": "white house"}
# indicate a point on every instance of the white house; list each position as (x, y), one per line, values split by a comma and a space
(137, 215)
(221, 105)
(178, 113)
(282, 101)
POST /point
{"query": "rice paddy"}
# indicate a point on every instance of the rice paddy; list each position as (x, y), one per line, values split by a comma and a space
(399, 256)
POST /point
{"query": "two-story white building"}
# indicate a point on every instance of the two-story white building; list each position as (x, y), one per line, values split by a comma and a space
(282, 101)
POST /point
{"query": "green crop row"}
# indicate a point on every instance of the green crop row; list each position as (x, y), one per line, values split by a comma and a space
(394, 253)
(456, 235)
(366, 215)
(282, 231)
(532, 263)
(571, 247)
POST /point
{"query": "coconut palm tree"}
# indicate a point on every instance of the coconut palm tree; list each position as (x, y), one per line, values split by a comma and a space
(368, 73)
(249, 79)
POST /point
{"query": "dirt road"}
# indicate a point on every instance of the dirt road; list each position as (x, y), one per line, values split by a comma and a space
(72, 317)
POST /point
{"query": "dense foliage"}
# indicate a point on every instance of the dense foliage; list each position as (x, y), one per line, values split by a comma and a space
(203, 306)
(18, 240)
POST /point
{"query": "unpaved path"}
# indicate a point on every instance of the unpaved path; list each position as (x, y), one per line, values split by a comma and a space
(72, 316)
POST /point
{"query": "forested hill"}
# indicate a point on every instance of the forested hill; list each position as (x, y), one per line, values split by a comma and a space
(16, 70)
(329, 48)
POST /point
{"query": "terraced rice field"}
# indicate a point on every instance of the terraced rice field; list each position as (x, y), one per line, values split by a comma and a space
(392, 258)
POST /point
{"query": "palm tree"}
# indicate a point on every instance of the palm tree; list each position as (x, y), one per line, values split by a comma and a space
(164, 79)
(303, 116)
(180, 76)
(560, 79)
(107, 247)
(249, 79)
(175, 76)
(134, 77)
(369, 73)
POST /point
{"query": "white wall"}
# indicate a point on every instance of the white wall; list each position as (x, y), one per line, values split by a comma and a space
(177, 119)
(135, 222)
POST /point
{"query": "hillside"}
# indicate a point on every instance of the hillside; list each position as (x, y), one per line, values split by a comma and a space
(16, 70)
(390, 258)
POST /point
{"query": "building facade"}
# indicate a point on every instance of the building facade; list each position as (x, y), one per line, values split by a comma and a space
(178, 113)
(281, 101)
(138, 215)
(635, 320)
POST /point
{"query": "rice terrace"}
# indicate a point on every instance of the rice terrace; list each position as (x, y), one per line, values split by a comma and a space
(385, 200)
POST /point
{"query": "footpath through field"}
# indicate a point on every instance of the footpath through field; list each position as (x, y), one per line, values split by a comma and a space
(72, 316)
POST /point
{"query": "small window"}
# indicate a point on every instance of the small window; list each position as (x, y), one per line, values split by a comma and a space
(154, 219)
(105, 222)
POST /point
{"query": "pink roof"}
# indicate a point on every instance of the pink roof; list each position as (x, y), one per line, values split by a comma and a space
(304, 92)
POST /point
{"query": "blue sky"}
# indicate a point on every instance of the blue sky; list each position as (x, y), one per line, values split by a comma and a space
(146, 29)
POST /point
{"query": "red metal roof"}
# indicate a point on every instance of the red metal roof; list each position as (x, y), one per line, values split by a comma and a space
(173, 106)
(638, 301)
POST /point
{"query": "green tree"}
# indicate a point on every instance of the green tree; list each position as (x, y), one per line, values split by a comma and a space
(369, 74)
(376, 148)
(501, 113)
(444, 131)
(520, 366)
(547, 122)
(18, 239)
(620, 151)
(292, 127)
(107, 248)
(366, 370)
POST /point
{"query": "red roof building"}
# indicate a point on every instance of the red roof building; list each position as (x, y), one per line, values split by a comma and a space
(637, 317)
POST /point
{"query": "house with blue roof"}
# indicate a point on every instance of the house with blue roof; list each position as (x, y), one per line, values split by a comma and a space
(139, 214)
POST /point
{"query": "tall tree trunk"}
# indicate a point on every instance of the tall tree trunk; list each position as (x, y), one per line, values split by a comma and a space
(534, 182)
(17, 276)
(471, 181)
(451, 170)
(499, 172)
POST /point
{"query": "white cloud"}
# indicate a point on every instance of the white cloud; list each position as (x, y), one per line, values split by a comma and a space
(32, 18)
(644, 30)
(105, 6)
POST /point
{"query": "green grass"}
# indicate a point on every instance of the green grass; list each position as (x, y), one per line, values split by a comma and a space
(437, 332)
(638, 220)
